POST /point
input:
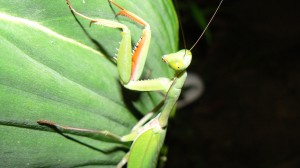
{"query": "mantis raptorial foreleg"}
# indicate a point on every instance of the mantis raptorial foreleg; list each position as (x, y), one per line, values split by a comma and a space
(148, 134)
(130, 63)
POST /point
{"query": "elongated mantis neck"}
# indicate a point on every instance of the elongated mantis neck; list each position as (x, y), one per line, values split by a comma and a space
(172, 97)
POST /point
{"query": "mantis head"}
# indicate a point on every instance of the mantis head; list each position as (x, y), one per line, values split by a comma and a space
(178, 61)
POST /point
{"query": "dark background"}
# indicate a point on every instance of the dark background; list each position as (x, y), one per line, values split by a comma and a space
(249, 114)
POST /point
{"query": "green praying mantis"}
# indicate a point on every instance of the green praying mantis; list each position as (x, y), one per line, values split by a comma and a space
(148, 135)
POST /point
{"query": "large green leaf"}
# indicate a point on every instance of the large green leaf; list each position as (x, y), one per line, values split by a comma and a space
(54, 66)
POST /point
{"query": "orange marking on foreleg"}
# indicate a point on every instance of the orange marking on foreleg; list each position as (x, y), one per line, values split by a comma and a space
(137, 52)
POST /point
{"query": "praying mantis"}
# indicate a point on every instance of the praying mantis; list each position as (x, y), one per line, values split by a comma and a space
(148, 135)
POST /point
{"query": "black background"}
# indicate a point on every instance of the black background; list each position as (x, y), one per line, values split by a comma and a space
(249, 114)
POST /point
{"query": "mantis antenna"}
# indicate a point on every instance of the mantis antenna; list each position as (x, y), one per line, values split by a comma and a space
(207, 25)
(180, 24)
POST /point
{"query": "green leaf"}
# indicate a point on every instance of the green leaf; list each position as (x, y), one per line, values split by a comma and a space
(54, 66)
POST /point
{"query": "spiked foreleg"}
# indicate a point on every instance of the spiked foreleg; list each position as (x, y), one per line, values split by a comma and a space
(140, 51)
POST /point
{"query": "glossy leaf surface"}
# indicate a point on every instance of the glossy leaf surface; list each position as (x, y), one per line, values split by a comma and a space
(54, 66)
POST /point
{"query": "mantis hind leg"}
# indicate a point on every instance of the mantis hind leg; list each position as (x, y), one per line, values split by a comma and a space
(80, 131)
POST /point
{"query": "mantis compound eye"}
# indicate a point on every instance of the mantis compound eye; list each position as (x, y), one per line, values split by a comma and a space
(177, 65)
